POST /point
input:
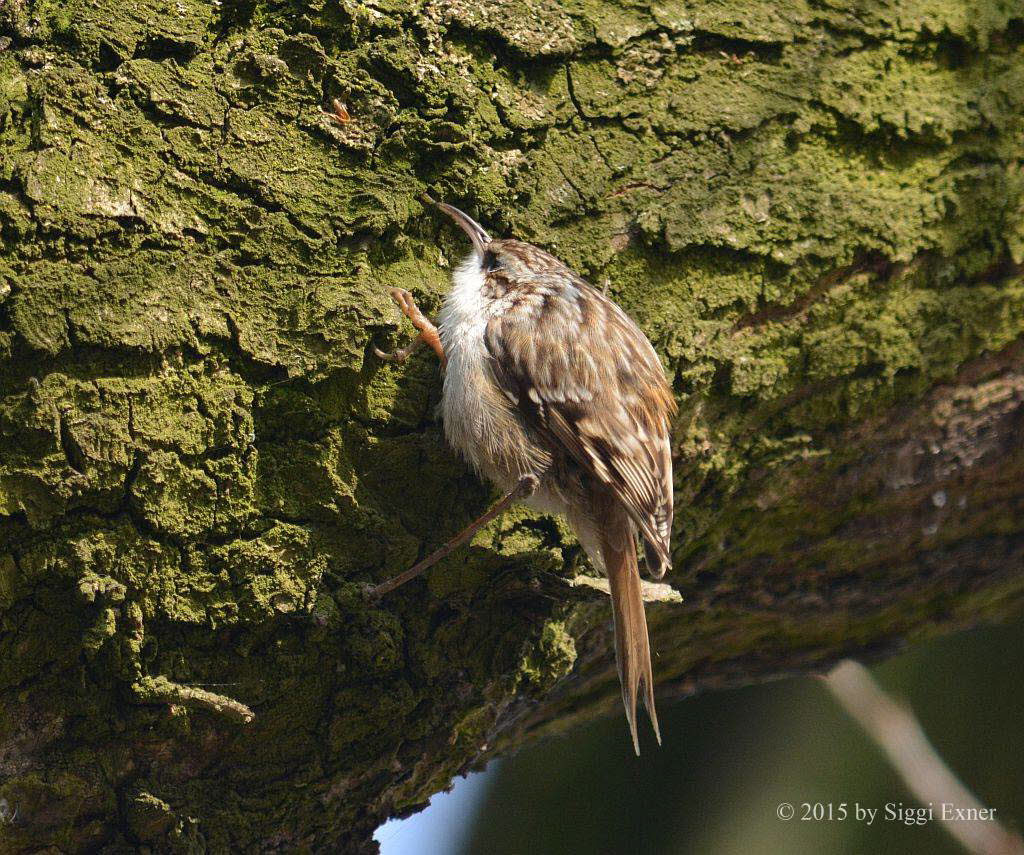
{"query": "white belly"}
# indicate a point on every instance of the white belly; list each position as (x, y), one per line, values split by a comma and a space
(479, 420)
(467, 405)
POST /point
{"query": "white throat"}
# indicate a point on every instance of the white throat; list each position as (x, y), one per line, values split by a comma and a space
(464, 305)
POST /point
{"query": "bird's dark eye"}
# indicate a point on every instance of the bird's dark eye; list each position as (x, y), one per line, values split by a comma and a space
(491, 261)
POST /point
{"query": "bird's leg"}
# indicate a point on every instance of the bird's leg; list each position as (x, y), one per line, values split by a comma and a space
(523, 490)
(427, 331)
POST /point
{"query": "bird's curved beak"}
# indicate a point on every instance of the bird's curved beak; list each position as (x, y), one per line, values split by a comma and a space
(471, 227)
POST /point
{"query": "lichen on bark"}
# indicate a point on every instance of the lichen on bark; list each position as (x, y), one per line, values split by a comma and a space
(816, 211)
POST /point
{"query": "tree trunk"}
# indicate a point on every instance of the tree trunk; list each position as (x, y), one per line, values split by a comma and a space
(815, 213)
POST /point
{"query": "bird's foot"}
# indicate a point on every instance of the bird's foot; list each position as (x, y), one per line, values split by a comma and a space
(427, 331)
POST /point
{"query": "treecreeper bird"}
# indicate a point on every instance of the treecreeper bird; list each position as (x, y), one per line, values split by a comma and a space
(554, 394)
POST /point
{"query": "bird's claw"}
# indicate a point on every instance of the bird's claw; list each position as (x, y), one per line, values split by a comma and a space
(405, 302)
(397, 356)
(427, 331)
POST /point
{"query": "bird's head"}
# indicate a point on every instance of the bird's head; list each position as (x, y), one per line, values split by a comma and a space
(511, 260)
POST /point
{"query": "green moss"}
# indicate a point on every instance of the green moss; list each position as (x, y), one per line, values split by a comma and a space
(553, 657)
(149, 818)
(809, 210)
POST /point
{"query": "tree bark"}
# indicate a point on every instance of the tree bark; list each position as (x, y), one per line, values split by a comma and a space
(815, 211)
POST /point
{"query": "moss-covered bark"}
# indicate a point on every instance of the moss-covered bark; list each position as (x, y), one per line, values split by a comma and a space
(815, 209)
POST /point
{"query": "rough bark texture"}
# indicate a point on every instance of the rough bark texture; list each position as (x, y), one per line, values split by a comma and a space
(814, 208)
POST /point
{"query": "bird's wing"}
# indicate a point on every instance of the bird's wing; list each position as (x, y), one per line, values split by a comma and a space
(585, 376)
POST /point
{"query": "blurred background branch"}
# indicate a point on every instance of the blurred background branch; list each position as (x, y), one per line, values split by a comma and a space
(897, 732)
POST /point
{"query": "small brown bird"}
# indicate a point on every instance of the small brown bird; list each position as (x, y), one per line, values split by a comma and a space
(556, 396)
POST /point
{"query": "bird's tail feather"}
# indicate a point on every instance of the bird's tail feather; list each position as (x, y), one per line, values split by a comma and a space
(632, 647)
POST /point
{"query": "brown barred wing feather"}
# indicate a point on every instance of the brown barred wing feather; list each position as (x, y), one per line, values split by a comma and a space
(587, 379)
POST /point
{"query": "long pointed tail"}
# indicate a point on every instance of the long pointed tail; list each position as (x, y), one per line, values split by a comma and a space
(632, 647)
